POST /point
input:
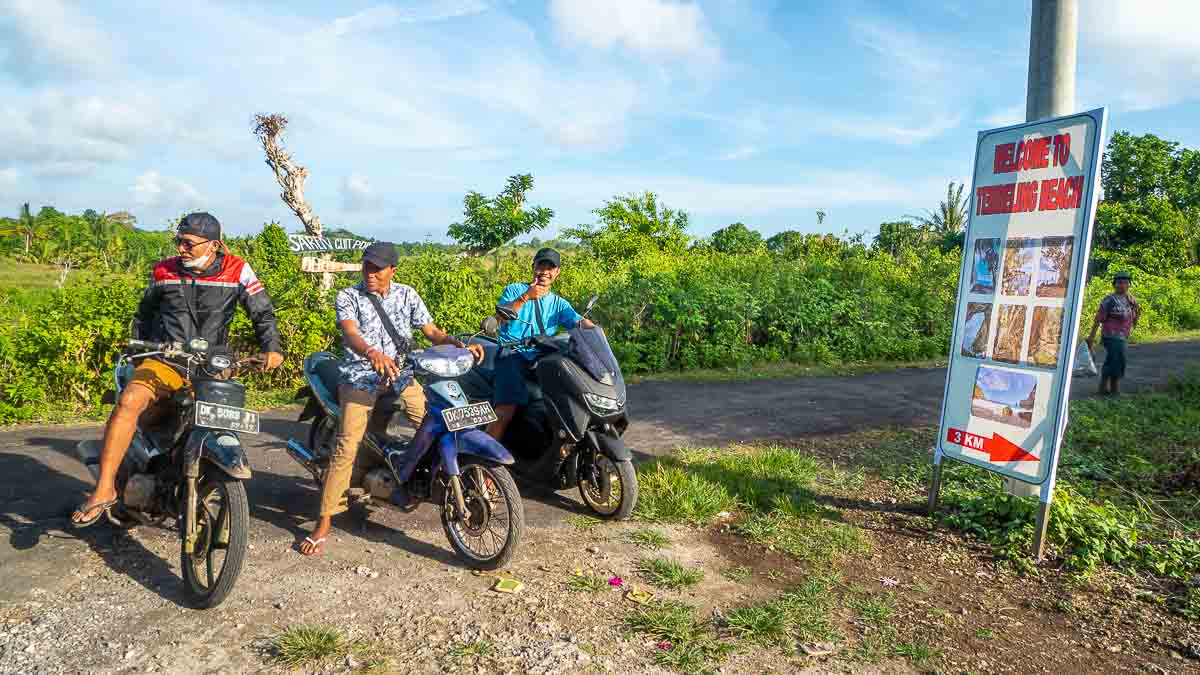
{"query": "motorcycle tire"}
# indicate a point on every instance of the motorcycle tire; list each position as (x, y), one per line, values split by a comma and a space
(202, 589)
(627, 495)
(501, 487)
(322, 432)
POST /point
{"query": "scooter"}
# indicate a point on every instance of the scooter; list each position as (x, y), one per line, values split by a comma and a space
(448, 462)
(571, 432)
(186, 462)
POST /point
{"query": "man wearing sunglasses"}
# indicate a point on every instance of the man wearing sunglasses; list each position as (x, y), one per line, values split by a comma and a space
(193, 295)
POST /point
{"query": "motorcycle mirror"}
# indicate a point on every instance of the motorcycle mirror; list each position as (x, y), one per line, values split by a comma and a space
(505, 312)
(590, 304)
(490, 327)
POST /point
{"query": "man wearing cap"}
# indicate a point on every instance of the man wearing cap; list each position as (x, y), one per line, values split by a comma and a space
(1118, 315)
(373, 365)
(193, 295)
(539, 312)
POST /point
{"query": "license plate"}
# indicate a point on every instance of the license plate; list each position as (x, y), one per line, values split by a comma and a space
(466, 416)
(227, 417)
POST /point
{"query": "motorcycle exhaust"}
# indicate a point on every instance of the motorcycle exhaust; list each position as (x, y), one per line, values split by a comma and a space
(303, 457)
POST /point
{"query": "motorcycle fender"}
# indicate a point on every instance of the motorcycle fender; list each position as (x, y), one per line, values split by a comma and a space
(223, 450)
(312, 408)
(471, 442)
(610, 445)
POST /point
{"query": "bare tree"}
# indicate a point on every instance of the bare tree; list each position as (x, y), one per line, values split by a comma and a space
(291, 176)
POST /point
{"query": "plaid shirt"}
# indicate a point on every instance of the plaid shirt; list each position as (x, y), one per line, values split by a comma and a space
(406, 310)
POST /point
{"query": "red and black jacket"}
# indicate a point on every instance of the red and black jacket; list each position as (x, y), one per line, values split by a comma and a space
(180, 304)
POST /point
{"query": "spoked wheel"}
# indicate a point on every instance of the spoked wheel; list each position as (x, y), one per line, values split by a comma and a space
(222, 525)
(486, 536)
(609, 488)
(322, 438)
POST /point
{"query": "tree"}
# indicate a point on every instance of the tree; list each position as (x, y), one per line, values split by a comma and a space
(290, 176)
(491, 222)
(951, 215)
(896, 235)
(1136, 167)
(1150, 233)
(632, 223)
(737, 239)
(794, 245)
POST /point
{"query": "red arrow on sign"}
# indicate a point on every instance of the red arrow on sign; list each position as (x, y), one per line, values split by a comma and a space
(998, 448)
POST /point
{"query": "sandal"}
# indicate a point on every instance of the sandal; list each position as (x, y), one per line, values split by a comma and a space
(100, 509)
(318, 546)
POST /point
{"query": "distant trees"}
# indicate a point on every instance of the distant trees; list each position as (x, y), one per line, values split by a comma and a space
(629, 224)
(737, 238)
(491, 222)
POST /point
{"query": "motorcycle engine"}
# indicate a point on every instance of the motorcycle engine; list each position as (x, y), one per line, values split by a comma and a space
(139, 492)
(379, 483)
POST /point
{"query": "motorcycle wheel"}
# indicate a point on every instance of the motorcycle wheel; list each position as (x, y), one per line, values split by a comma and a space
(610, 489)
(488, 537)
(322, 437)
(210, 571)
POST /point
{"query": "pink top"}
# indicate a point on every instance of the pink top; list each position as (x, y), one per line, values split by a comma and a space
(1118, 314)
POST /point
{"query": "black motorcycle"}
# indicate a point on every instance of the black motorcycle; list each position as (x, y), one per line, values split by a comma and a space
(571, 432)
(187, 463)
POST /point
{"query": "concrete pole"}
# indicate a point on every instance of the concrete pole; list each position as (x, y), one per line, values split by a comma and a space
(1053, 46)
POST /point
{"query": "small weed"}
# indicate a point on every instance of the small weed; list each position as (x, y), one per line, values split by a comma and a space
(985, 634)
(470, 650)
(875, 610)
(649, 539)
(763, 624)
(1064, 606)
(691, 644)
(737, 574)
(587, 583)
(921, 587)
(938, 613)
(878, 643)
(668, 573)
(310, 645)
(920, 653)
(584, 523)
(775, 575)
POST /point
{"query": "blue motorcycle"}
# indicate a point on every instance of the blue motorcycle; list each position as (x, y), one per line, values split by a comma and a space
(449, 462)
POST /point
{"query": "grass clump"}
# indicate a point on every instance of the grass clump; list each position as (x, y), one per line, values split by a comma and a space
(584, 523)
(472, 650)
(685, 642)
(309, 646)
(587, 583)
(737, 574)
(801, 614)
(667, 573)
(649, 539)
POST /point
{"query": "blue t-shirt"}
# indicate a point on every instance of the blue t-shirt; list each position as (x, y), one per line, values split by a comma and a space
(555, 311)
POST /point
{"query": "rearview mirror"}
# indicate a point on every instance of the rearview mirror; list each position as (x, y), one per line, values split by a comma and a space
(505, 312)
(490, 327)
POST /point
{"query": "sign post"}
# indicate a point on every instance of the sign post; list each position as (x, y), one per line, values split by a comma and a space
(324, 264)
(1020, 292)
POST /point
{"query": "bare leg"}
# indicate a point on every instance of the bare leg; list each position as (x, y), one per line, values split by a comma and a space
(315, 542)
(504, 414)
(1103, 385)
(1116, 386)
(118, 433)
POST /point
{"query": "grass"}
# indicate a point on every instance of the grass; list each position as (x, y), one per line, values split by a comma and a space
(918, 651)
(802, 614)
(311, 646)
(686, 643)
(26, 276)
(648, 538)
(667, 573)
(587, 583)
(584, 523)
(737, 574)
(879, 636)
(471, 650)
(783, 369)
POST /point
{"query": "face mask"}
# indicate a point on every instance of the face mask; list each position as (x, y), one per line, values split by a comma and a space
(197, 263)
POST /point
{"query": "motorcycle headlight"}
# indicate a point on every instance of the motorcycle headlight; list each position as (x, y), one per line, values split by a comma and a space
(445, 366)
(220, 362)
(601, 404)
(198, 345)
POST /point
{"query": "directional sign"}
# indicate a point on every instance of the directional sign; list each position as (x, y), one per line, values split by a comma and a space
(302, 243)
(1020, 291)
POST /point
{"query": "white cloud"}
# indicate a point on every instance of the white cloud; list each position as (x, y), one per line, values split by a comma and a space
(1005, 117)
(381, 17)
(1147, 56)
(740, 153)
(47, 38)
(656, 28)
(154, 190)
(8, 180)
(357, 194)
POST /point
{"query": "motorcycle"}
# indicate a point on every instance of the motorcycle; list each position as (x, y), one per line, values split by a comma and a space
(448, 462)
(186, 462)
(571, 432)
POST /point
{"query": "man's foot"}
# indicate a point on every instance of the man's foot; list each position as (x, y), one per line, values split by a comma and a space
(314, 544)
(93, 508)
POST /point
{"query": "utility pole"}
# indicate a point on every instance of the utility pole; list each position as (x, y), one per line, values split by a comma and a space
(1053, 47)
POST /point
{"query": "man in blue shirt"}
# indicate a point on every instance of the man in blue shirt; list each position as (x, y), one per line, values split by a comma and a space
(539, 312)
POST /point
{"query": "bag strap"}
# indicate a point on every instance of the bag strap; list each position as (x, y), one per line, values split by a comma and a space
(537, 315)
(387, 322)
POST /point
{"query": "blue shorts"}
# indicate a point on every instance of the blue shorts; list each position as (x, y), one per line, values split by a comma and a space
(512, 373)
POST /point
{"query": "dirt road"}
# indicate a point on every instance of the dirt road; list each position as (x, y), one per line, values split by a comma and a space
(125, 589)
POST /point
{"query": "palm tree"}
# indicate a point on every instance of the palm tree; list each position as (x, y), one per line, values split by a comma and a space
(951, 214)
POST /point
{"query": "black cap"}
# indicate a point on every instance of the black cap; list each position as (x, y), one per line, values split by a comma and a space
(547, 255)
(200, 224)
(381, 254)
(1122, 275)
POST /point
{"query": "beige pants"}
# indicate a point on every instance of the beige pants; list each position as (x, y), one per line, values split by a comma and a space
(345, 469)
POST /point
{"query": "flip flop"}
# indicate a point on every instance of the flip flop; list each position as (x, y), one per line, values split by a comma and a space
(318, 546)
(100, 509)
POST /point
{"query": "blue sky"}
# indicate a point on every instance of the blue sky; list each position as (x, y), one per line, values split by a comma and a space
(761, 112)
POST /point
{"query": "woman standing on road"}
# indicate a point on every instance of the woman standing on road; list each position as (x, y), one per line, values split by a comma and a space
(1118, 314)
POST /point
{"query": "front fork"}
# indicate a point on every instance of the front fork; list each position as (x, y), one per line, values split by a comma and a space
(456, 491)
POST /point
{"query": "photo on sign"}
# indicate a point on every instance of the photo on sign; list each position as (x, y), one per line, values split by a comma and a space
(1045, 336)
(1054, 267)
(976, 329)
(985, 266)
(1018, 266)
(1004, 396)
(1010, 330)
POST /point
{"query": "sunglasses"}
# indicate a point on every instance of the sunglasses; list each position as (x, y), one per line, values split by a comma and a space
(188, 244)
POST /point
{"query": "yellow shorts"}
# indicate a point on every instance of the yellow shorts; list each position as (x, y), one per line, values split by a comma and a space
(158, 377)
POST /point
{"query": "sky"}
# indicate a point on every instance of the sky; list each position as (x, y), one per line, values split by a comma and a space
(732, 110)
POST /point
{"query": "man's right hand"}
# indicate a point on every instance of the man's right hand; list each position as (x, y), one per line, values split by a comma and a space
(383, 364)
(535, 291)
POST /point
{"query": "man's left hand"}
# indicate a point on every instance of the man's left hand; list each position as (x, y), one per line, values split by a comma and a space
(477, 351)
(272, 360)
